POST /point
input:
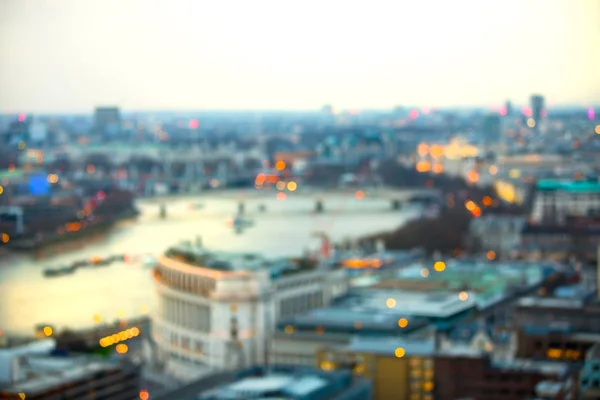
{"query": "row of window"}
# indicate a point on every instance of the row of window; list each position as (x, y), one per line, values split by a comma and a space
(191, 316)
(190, 283)
(182, 342)
(296, 283)
(299, 304)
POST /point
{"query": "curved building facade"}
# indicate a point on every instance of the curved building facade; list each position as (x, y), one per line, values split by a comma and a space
(216, 310)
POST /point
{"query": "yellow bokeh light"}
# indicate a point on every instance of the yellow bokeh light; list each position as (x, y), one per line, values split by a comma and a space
(135, 331)
(470, 205)
(399, 352)
(531, 122)
(402, 322)
(463, 296)
(424, 272)
(439, 266)
(493, 170)
(144, 309)
(122, 348)
(390, 303)
(289, 329)
(292, 186)
(22, 396)
(280, 165)
(1, 190)
(97, 318)
(280, 185)
(121, 314)
(597, 130)
(514, 173)
(47, 331)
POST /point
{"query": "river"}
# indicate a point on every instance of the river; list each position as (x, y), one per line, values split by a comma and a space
(126, 290)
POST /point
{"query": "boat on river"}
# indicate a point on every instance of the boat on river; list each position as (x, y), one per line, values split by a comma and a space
(60, 271)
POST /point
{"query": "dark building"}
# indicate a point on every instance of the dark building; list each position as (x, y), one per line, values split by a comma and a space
(557, 329)
(537, 107)
(107, 122)
(33, 370)
(492, 128)
(478, 378)
(508, 108)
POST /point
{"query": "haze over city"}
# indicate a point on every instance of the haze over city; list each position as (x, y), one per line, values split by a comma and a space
(71, 55)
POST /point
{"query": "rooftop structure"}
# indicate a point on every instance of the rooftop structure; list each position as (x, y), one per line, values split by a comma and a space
(34, 371)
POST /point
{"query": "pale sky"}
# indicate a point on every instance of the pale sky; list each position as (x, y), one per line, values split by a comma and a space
(72, 55)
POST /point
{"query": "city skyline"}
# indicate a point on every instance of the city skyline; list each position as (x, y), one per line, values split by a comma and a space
(68, 56)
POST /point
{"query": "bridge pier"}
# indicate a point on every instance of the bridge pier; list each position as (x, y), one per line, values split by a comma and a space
(396, 204)
(163, 210)
(319, 206)
(241, 208)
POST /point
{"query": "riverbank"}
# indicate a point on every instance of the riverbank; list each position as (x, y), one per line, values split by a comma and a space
(39, 243)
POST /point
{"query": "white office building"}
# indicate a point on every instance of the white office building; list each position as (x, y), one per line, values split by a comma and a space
(216, 310)
(556, 200)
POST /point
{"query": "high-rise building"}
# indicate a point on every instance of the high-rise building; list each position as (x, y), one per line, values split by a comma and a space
(107, 121)
(492, 128)
(537, 107)
(217, 310)
(508, 108)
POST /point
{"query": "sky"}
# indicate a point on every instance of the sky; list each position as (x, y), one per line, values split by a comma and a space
(74, 55)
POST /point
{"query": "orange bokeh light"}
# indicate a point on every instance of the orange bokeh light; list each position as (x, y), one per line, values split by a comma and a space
(423, 166)
(359, 195)
(281, 196)
(280, 165)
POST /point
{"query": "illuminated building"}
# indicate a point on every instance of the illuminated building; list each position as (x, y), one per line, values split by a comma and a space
(216, 310)
(590, 374)
(32, 372)
(399, 369)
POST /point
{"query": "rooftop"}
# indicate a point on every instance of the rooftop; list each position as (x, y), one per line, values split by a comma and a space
(196, 255)
(278, 382)
(440, 304)
(388, 346)
(569, 185)
(550, 302)
(339, 319)
(549, 368)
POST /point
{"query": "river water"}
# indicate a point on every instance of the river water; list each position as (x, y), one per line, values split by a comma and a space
(125, 290)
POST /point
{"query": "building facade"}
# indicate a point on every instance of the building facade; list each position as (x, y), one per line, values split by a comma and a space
(216, 311)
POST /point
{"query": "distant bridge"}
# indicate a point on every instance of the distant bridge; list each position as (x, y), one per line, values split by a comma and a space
(396, 197)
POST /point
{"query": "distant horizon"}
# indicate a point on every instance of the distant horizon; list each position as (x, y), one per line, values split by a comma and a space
(67, 56)
(90, 112)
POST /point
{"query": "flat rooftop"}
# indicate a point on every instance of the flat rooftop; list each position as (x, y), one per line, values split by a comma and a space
(339, 319)
(192, 254)
(550, 302)
(441, 304)
(39, 373)
(549, 368)
(388, 346)
(276, 382)
(583, 186)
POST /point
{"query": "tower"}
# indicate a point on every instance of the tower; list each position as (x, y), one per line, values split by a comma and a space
(537, 107)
